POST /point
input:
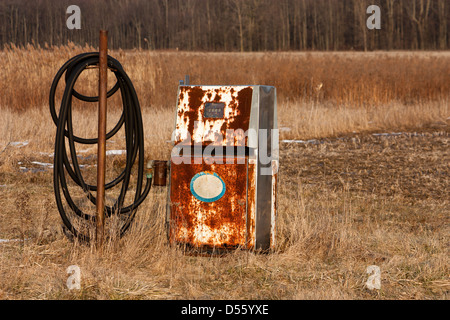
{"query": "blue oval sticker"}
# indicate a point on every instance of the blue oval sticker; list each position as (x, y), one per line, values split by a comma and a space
(207, 186)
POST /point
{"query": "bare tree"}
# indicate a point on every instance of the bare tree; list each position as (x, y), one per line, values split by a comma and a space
(419, 15)
(443, 21)
(239, 6)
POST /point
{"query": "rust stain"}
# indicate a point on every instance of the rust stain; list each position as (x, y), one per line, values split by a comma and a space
(193, 126)
(251, 204)
(219, 224)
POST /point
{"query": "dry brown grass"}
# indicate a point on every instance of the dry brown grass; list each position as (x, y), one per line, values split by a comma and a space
(346, 78)
(343, 205)
(349, 201)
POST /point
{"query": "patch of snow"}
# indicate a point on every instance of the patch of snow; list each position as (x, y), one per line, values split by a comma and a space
(11, 240)
(84, 151)
(42, 164)
(312, 141)
(392, 134)
(19, 144)
(51, 155)
(115, 152)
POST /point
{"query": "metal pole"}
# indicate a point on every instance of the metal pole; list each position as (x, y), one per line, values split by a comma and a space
(101, 153)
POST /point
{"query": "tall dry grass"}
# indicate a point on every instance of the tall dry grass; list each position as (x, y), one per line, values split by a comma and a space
(315, 120)
(329, 93)
(327, 236)
(350, 79)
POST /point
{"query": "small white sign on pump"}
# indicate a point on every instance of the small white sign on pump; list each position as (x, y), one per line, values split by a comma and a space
(207, 187)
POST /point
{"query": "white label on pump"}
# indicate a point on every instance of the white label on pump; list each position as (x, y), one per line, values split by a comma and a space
(207, 186)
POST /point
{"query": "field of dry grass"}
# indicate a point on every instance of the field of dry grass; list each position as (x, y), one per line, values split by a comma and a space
(352, 79)
(349, 197)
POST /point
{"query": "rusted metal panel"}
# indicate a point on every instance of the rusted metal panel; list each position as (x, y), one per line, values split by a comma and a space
(231, 202)
(216, 224)
(196, 124)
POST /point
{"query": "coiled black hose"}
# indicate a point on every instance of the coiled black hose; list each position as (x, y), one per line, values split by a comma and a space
(131, 118)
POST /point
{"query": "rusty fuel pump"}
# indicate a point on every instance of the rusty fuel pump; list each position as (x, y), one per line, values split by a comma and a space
(223, 168)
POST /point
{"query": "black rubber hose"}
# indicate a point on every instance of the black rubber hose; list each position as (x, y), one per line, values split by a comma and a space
(131, 118)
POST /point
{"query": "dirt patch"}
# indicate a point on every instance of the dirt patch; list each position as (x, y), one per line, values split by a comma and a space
(412, 164)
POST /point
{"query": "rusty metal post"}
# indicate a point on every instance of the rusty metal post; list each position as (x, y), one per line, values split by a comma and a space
(101, 153)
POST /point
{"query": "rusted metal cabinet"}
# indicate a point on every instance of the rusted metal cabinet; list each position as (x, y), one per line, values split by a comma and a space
(223, 168)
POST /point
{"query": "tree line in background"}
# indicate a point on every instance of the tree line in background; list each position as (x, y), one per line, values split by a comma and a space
(231, 25)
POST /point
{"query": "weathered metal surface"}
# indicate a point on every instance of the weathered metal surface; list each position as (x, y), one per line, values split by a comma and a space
(217, 224)
(224, 201)
(159, 173)
(192, 126)
(264, 181)
(101, 153)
